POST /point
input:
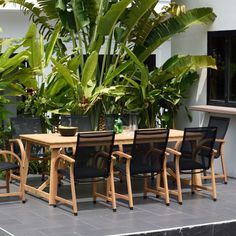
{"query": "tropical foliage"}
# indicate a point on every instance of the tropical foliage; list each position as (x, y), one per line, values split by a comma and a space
(125, 33)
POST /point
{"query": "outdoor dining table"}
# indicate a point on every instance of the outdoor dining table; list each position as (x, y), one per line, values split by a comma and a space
(54, 141)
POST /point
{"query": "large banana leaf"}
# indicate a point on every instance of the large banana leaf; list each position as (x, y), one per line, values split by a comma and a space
(51, 44)
(66, 73)
(88, 80)
(177, 64)
(172, 26)
(85, 11)
(132, 16)
(15, 61)
(108, 21)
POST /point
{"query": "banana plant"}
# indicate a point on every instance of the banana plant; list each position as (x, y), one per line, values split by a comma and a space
(126, 32)
(156, 95)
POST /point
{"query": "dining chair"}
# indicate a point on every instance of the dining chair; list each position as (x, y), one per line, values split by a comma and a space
(222, 124)
(196, 154)
(148, 156)
(82, 122)
(92, 161)
(27, 125)
(9, 161)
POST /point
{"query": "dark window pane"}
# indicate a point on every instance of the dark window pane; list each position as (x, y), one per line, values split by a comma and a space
(216, 78)
(232, 70)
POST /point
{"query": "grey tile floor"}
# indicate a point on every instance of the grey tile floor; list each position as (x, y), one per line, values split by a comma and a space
(37, 218)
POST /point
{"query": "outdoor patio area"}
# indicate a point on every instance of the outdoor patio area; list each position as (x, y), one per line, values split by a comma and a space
(199, 214)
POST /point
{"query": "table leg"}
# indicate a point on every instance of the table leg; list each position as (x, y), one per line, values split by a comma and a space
(53, 176)
(26, 162)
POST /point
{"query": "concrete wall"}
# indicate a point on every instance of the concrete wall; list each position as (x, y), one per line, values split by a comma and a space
(194, 41)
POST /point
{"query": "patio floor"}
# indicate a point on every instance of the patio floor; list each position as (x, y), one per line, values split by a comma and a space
(149, 217)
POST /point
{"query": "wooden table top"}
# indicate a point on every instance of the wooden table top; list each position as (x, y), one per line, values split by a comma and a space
(55, 140)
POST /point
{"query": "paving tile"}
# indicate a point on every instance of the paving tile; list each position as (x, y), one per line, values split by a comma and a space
(37, 218)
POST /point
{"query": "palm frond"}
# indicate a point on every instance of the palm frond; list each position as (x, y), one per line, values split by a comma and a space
(174, 25)
(134, 14)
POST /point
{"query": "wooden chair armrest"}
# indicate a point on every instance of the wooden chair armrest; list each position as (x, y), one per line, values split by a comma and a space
(121, 154)
(172, 151)
(65, 158)
(20, 144)
(220, 140)
(4, 153)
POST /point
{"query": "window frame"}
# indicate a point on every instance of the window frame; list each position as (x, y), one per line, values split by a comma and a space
(227, 35)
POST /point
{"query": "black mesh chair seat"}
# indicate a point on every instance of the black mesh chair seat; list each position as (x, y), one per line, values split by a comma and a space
(186, 165)
(8, 166)
(147, 157)
(93, 161)
(82, 173)
(196, 154)
(137, 169)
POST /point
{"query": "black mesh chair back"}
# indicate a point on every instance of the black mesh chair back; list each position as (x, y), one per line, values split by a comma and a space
(222, 124)
(81, 121)
(148, 151)
(25, 125)
(196, 148)
(93, 154)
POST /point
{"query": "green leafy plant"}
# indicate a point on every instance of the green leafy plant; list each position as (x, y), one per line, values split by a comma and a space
(126, 32)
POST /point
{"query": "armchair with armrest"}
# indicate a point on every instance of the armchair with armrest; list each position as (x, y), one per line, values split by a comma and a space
(92, 161)
(196, 154)
(9, 161)
(222, 124)
(148, 157)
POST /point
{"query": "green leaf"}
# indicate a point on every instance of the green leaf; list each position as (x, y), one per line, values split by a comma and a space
(135, 13)
(89, 68)
(108, 21)
(172, 26)
(74, 63)
(4, 57)
(65, 72)
(112, 73)
(15, 61)
(51, 44)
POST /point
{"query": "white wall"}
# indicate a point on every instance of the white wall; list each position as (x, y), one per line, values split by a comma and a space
(13, 23)
(194, 41)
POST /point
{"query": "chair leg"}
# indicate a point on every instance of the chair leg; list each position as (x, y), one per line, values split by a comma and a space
(94, 187)
(129, 187)
(145, 185)
(22, 185)
(178, 182)
(111, 186)
(166, 190)
(73, 192)
(192, 182)
(8, 181)
(158, 184)
(223, 167)
(213, 181)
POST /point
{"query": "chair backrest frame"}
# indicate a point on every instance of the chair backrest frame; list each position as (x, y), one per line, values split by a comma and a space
(222, 124)
(198, 144)
(90, 147)
(149, 148)
(25, 125)
(83, 122)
